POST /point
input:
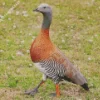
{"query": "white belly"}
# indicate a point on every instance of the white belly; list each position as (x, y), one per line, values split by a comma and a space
(42, 69)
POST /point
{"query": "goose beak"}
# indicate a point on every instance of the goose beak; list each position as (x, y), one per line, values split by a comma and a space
(36, 10)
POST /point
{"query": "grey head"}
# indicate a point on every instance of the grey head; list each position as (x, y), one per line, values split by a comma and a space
(46, 10)
(43, 8)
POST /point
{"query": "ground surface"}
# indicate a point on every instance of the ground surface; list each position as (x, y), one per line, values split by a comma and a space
(75, 30)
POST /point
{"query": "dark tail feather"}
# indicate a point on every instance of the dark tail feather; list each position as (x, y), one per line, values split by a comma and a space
(85, 86)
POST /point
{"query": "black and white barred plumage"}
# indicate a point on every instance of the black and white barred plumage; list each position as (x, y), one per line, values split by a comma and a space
(52, 69)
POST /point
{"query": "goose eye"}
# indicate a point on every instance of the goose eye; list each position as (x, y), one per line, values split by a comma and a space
(44, 7)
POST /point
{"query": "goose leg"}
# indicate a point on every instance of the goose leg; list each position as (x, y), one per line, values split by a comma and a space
(57, 90)
(57, 93)
(35, 90)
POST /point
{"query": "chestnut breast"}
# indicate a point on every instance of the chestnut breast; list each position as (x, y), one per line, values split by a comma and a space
(41, 48)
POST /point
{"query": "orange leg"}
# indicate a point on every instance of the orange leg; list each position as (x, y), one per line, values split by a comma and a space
(42, 83)
(57, 90)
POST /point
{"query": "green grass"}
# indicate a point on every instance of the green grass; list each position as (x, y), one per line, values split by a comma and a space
(75, 30)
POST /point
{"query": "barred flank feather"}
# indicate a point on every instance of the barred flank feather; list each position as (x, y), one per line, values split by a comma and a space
(52, 69)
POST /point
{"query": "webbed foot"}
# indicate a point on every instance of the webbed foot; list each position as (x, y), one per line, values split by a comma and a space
(31, 92)
(52, 94)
